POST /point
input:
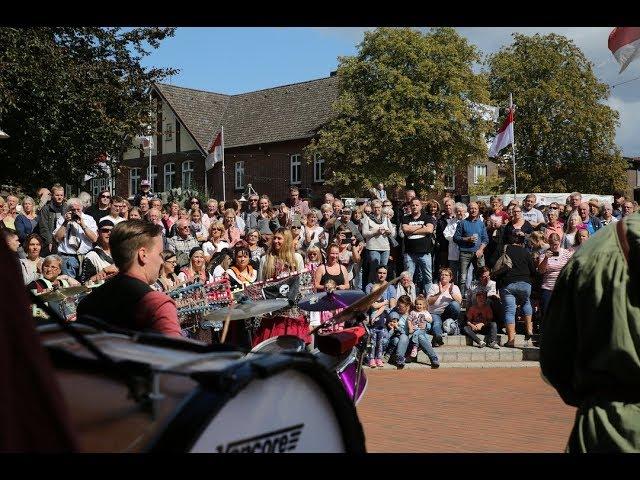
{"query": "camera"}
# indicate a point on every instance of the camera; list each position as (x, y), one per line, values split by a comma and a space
(75, 217)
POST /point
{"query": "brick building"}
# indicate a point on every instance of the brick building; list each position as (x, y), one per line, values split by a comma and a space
(265, 133)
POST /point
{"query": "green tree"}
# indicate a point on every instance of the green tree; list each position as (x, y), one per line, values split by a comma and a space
(404, 110)
(564, 133)
(491, 185)
(68, 96)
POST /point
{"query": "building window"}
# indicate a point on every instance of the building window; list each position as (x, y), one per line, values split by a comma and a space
(168, 132)
(97, 186)
(134, 181)
(318, 168)
(239, 175)
(479, 171)
(153, 178)
(187, 170)
(169, 176)
(450, 179)
(296, 176)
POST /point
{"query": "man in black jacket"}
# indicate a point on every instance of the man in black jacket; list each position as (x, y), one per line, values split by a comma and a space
(49, 215)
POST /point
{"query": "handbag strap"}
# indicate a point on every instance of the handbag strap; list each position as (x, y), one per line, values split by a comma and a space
(621, 230)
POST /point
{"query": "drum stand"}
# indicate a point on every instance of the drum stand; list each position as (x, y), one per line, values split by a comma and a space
(364, 345)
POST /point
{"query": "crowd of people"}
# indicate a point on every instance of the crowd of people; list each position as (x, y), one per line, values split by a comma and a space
(449, 255)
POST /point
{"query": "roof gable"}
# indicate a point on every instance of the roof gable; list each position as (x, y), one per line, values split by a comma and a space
(276, 114)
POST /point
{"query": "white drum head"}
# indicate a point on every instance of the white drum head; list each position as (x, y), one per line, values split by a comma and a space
(287, 412)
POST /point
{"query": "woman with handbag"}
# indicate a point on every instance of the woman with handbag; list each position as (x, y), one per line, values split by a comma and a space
(514, 283)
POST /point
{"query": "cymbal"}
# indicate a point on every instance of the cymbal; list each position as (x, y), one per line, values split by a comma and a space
(326, 301)
(240, 311)
(61, 293)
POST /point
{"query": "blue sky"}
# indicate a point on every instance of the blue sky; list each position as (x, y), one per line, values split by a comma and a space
(234, 60)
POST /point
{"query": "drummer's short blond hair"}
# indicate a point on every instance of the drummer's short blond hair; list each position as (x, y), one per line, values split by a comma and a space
(130, 236)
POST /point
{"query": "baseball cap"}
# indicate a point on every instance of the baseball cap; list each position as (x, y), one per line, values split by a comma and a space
(145, 182)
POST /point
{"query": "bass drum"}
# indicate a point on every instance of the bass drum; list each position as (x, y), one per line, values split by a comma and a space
(204, 399)
(279, 344)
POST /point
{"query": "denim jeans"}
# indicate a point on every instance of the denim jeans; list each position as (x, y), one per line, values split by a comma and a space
(513, 294)
(545, 296)
(376, 258)
(452, 311)
(421, 338)
(70, 266)
(423, 262)
(467, 258)
(401, 349)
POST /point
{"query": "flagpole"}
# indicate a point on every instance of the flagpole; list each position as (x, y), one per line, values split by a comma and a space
(224, 180)
(151, 136)
(206, 189)
(513, 146)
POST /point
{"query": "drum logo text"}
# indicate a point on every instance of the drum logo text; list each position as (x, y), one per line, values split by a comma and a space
(279, 441)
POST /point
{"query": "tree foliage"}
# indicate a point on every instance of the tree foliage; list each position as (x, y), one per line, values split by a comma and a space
(404, 110)
(71, 95)
(564, 132)
(491, 185)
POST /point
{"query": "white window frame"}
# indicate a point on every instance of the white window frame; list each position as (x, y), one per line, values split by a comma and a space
(187, 172)
(477, 172)
(295, 170)
(168, 132)
(450, 174)
(239, 175)
(171, 174)
(153, 178)
(134, 180)
(97, 186)
(318, 168)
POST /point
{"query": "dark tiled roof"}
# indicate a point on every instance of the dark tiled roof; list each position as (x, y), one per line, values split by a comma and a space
(276, 114)
(201, 112)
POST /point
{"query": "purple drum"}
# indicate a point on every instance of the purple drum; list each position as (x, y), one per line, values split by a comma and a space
(347, 371)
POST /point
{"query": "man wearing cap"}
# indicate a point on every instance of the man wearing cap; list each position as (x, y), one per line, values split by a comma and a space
(145, 191)
(182, 243)
(127, 299)
(98, 264)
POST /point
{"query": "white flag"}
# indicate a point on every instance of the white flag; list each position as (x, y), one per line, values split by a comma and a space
(146, 142)
(215, 152)
(504, 136)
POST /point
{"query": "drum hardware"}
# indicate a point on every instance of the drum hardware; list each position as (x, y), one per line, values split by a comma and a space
(60, 294)
(139, 389)
(324, 301)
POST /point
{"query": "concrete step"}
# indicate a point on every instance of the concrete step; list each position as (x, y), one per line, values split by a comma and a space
(448, 354)
(423, 366)
(462, 340)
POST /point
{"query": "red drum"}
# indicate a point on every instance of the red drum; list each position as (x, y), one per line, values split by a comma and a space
(279, 325)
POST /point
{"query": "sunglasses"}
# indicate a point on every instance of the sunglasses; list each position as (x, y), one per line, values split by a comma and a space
(171, 261)
(105, 196)
(195, 203)
(105, 230)
(553, 208)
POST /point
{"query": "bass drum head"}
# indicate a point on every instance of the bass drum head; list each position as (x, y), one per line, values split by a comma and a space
(280, 344)
(296, 406)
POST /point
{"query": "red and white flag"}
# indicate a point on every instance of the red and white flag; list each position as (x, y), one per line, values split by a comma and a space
(215, 152)
(504, 136)
(146, 142)
(624, 43)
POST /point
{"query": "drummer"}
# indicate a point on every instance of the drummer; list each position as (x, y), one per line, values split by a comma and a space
(127, 299)
(51, 276)
(281, 260)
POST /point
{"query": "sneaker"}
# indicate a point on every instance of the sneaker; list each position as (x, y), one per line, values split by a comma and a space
(372, 363)
(400, 366)
(379, 363)
(481, 344)
(494, 345)
(435, 365)
(414, 351)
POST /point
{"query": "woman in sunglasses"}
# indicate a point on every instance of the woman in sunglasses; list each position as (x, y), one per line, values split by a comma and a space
(168, 280)
(216, 243)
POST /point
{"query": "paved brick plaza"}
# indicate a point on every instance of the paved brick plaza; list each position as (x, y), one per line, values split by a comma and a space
(463, 410)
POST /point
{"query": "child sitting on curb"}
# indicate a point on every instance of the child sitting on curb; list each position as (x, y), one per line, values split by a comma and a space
(480, 320)
(420, 322)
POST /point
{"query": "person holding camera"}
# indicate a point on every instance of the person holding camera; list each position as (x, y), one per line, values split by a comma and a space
(549, 265)
(75, 232)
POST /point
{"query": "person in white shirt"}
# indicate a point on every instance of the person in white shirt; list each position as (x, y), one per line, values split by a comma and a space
(114, 211)
(444, 300)
(75, 233)
(531, 214)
